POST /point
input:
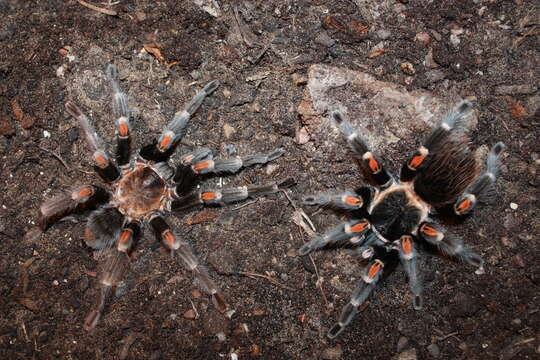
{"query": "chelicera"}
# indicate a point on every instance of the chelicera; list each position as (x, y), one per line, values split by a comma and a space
(391, 220)
(142, 190)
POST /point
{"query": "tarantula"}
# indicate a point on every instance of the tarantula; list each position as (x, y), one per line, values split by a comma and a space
(391, 221)
(141, 191)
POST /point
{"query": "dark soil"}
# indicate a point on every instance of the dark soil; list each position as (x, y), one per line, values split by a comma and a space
(45, 286)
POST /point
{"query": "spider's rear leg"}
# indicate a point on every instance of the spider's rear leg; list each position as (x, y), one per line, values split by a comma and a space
(85, 197)
(121, 110)
(172, 242)
(105, 168)
(350, 233)
(450, 245)
(370, 276)
(105, 232)
(111, 273)
(453, 122)
(163, 147)
(233, 165)
(480, 189)
(228, 196)
(359, 146)
(408, 256)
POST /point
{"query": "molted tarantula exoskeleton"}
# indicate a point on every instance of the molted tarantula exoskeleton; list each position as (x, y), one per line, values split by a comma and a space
(141, 191)
(389, 222)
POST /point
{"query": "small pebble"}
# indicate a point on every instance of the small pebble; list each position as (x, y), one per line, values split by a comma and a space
(299, 79)
(221, 337)
(55, 282)
(383, 34)
(434, 350)
(422, 38)
(513, 206)
(190, 314)
(518, 261)
(407, 68)
(402, 343)
(73, 134)
(228, 130)
(46, 134)
(407, 355)
(332, 353)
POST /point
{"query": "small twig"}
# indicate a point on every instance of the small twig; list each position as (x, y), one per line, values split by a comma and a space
(521, 342)
(98, 9)
(56, 156)
(24, 330)
(246, 204)
(301, 219)
(254, 275)
(442, 338)
(194, 309)
(241, 28)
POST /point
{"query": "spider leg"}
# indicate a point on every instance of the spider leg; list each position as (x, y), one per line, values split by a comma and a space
(105, 168)
(228, 196)
(171, 242)
(479, 190)
(85, 197)
(233, 165)
(351, 232)
(162, 148)
(453, 122)
(359, 146)
(371, 275)
(111, 273)
(408, 256)
(184, 177)
(450, 245)
(345, 200)
(196, 156)
(121, 110)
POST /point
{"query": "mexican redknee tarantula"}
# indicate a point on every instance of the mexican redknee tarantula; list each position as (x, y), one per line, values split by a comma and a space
(391, 221)
(141, 191)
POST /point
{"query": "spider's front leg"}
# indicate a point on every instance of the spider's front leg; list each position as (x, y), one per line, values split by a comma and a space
(105, 168)
(450, 245)
(359, 146)
(162, 148)
(228, 196)
(86, 197)
(480, 189)
(121, 110)
(172, 242)
(370, 276)
(233, 165)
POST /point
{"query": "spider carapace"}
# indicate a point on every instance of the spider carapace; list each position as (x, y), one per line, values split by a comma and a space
(390, 221)
(142, 190)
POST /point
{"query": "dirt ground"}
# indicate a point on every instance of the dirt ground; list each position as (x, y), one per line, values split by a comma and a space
(261, 52)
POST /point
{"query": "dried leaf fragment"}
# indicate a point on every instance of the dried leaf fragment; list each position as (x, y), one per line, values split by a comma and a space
(376, 53)
(201, 217)
(350, 27)
(154, 49)
(16, 109)
(516, 109)
(6, 126)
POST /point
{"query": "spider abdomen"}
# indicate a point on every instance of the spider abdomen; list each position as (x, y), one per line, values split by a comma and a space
(139, 192)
